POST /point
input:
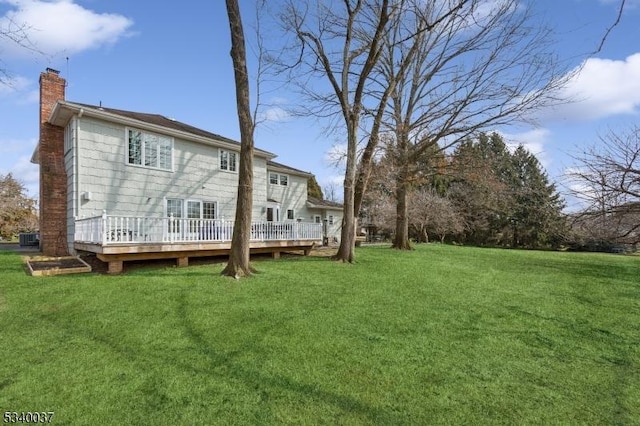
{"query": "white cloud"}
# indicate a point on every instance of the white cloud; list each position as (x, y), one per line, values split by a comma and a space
(534, 141)
(274, 114)
(60, 26)
(25, 172)
(602, 88)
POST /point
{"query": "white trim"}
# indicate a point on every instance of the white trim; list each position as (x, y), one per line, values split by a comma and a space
(143, 148)
(278, 177)
(275, 213)
(236, 156)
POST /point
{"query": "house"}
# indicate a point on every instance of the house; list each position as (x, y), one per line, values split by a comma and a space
(128, 185)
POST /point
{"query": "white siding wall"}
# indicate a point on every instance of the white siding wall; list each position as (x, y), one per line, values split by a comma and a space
(293, 196)
(123, 189)
(333, 231)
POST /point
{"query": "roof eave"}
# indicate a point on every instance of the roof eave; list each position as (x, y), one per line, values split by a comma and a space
(63, 111)
(323, 207)
(289, 171)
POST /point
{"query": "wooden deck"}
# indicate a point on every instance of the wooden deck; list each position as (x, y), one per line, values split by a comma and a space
(117, 239)
(116, 254)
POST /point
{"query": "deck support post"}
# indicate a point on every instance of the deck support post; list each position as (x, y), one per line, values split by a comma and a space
(182, 261)
(115, 267)
(275, 254)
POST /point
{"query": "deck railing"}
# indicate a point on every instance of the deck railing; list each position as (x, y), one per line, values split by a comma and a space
(109, 229)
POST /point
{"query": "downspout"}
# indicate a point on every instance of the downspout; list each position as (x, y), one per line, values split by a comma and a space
(76, 172)
(76, 163)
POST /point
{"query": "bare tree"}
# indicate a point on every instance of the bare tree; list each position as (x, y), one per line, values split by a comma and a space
(17, 34)
(430, 212)
(476, 69)
(339, 42)
(17, 210)
(239, 257)
(331, 192)
(607, 179)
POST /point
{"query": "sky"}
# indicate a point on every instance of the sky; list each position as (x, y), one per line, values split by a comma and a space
(173, 59)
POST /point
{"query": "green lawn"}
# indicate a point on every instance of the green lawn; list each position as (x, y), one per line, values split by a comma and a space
(441, 335)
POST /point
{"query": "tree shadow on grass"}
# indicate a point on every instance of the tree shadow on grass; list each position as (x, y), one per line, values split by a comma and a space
(220, 367)
(255, 379)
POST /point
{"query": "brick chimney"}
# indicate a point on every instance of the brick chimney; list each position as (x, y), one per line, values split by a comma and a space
(53, 177)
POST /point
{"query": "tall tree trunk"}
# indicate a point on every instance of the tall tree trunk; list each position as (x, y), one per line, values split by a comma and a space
(239, 258)
(366, 160)
(364, 172)
(401, 241)
(348, 233)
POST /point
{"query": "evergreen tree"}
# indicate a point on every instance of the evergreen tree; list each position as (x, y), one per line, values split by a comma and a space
(536, 218)
(505, 198)
(478, 188)
(313, 189)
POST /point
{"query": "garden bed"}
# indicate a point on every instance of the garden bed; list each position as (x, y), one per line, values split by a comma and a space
(45, 266)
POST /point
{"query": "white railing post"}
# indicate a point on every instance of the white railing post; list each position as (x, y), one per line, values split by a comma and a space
(171, 230)
(104, 227)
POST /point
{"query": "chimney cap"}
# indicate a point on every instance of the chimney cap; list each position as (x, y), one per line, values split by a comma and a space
(52, 71)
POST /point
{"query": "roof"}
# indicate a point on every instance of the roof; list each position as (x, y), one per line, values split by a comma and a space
(64, 110)
(160, 120)
(286, 169)
(323, 204)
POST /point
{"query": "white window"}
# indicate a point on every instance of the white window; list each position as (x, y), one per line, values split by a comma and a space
(174, 209)
(228, 160)
(278, 179)
(317, 219)
(208, 210)
(194, 209)
(149, 150)
(70, 135)
(190, 209)
(330, 219)
(273, 214)
(290, 214)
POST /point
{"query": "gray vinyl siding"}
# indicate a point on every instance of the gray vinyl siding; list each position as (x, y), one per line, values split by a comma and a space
(123, 189)
(293, 196)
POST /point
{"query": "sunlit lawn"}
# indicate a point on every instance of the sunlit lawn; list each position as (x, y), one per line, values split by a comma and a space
(441, 335)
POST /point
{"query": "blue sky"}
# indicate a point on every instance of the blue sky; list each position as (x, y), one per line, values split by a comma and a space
(173, 59)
